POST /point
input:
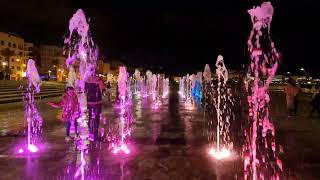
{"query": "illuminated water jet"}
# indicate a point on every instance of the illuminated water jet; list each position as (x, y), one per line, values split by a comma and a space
(260, 152)
(221, 101)
(34, 119)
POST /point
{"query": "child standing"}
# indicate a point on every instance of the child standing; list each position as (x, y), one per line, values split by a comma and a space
(71, 110)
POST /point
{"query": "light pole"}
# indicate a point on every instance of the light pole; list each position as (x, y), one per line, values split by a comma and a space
(305, 73)
(4, 64)
(49, 73)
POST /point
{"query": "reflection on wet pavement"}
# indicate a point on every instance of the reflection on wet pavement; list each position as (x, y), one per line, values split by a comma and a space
(161, 147)
(166, 143)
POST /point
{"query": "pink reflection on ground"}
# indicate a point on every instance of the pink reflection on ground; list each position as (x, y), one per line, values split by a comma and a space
(124, 148)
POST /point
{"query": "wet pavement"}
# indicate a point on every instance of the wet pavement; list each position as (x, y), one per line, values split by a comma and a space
(166, 143)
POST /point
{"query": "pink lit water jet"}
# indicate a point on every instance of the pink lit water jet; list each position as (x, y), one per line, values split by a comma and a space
(261, 154)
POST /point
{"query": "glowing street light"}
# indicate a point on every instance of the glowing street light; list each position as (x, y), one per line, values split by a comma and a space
(305, 73)
(49, 73)
(4, 63)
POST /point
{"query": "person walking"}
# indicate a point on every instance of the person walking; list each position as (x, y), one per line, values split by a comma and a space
(315, 103)
(94, 88)
(109, 91)
(291, 91)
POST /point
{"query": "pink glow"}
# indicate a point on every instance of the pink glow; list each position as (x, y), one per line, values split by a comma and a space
(124, 148)
(80, 170)
(189, 105)
(220, 154)
(20, 150)
(118, 143)
(122, 81)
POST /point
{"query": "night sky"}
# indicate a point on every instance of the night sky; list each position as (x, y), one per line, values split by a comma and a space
(179, 36)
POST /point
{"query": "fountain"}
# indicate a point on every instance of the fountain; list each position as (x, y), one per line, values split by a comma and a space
(149, 82)
(224, 115)
(137, 79)
(197, 89)
(182, 87)
(34, 119)
(80, 48)
(154, 86)
(165, 88)
(125, 131)
(190, 82)
(144, 91)
(206, 86)
(260, 152)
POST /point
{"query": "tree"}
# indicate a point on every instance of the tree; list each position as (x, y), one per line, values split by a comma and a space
(7, 53)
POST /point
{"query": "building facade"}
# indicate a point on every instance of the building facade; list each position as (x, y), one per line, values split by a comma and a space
(52, 62)
(103, 68)
(14, 53)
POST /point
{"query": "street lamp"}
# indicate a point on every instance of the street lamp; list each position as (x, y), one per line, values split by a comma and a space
(49, 73)
(305, 73)
(4, 64)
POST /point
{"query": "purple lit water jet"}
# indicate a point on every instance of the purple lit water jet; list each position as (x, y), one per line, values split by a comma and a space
(80, 49)
(125, 119)
(33, 117)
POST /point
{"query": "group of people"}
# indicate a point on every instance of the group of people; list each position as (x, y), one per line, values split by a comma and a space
(292, 90)
(94, 90)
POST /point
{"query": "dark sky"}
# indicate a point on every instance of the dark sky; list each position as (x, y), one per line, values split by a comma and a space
(180, 36)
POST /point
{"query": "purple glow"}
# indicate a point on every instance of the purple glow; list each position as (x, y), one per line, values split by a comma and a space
(80, 170)
(34, 119)
(123, 148)
(119, 144)
(33, 148)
